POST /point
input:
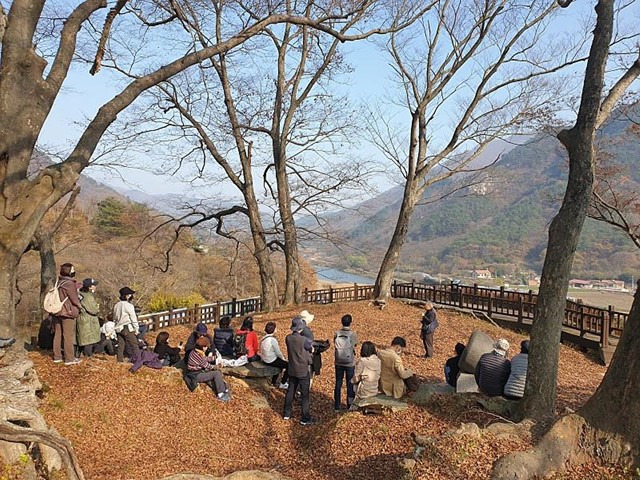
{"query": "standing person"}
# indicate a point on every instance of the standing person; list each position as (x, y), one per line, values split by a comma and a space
(223, 338)
(299, 350)
(493, 369)
(88, 324)
(514, 388)
(367, 374)
(203, 366)
(307, 318)
(395, 380)
(247, 337)
(271, 355)
(429, 325)
(345, 341)
(126, 324)
(451, 368)
(169, 355)
(65, 321)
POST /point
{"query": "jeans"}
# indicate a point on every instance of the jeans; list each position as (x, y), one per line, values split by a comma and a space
(284, 365)
(304, 384)
(89, 350)
(342, 372)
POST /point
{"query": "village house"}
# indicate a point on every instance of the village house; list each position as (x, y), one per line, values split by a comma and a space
(481, 274)
(613, 285)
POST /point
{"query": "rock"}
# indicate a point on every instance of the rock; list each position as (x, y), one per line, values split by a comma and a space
(251, 370)
(247, 475)
(11, 452)
(422, 440)
(466, 430)
(393, 404)
(507, 431)
(424, 392)
(479, 344)
(499, 405)
(409, 464)
(466, 383)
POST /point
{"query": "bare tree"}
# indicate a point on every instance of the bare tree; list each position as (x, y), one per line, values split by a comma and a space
(478, 66)
(29, 87)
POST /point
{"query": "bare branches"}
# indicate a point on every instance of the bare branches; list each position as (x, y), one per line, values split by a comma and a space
(617, 91)
(97, 63)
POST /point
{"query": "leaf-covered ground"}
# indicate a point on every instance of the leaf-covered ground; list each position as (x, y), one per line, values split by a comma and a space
(147, 425)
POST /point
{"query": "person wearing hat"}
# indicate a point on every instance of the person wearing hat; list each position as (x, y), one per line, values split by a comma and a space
(493, 369)
(514, 388)
(299, 350)
(88, 324)
(307, 318)
(126, 324)
(199, 331)
(204, 367)
(65, 321)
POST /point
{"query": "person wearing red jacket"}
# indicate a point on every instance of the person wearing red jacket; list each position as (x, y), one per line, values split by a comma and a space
(251, 340)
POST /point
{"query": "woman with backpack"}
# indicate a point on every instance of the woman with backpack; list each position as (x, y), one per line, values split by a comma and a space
(64, 321)
(429, 324)
(88, 324)
(245, 341)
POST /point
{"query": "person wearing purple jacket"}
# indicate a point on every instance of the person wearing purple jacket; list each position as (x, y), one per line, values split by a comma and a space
(65, 321)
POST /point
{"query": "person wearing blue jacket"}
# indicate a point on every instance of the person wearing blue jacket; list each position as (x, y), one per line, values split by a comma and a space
(429, 324)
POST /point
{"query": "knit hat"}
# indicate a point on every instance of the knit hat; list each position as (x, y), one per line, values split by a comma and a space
(203, 342)
(201, 328)
(88, 282)
(501, 347)
(297, 324)
(306, 317)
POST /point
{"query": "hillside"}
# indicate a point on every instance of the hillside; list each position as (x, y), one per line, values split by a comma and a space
(501, 223)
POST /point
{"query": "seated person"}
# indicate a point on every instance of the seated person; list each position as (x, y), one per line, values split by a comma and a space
(514, 388)
(307, 318)
(492, 371)
(367, 374)
(108, 336)
(199, 331)
(271, 355)
(250, 341)
(395, 380)
(223, 337)
(205, 371)
(451, 368)
(169, 355)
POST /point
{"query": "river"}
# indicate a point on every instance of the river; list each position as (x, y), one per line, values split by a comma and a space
(334, 275)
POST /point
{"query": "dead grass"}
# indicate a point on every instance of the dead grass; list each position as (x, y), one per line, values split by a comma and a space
(148, 425)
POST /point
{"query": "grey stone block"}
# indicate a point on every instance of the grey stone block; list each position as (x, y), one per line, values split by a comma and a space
(466, 383)
(479, 344)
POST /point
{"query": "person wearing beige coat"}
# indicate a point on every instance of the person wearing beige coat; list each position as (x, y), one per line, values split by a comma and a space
(393, 374)
(367, 373)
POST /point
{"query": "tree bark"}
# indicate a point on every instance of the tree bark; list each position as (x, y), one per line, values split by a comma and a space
(564, 232)
(9, 260)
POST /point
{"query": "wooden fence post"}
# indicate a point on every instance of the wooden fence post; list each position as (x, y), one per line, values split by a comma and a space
(520, 309)
(171, 319)
(330, 294)
(413, 289)
(394, 289)
(490, 309)
(197, 315)
(460, 304)
(501, 291)
(606, 324)
(475, 289)
(216, 312)
(156, 323)
(530, 296)
(355, 292)
(306, 295)
(612, 312)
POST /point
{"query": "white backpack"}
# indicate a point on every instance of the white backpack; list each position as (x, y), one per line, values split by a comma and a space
(52, 303)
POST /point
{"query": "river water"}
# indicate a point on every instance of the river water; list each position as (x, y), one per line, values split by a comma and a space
(338, 276)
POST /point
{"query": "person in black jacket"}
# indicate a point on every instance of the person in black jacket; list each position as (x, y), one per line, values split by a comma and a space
(451, 368)
(199, 331)
(169, 355)
(493, 369)
(223, 338)
(429, 324)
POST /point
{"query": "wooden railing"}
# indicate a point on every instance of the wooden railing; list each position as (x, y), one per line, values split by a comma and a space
(495, 302)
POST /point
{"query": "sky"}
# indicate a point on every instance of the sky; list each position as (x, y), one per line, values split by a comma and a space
(83, 94)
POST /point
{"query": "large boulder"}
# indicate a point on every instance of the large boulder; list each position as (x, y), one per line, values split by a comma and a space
(479, 344)
(466, 383)
(426, 390)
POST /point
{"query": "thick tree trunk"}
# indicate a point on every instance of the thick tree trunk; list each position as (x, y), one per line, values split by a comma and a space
(540, 392)
(382, 287)
(48, 270)
(9, 260)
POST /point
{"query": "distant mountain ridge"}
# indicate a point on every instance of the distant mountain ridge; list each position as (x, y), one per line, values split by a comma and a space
(501, 224)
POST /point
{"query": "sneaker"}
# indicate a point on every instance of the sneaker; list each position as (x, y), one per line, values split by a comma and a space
(75, 361)
(286, 418)
(7, 342)
(306, 423)
(284, 386)
(225, 397)
(59, 360)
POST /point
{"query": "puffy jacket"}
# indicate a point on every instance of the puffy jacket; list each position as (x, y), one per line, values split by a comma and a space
(492, 373)
(68, 289)
(88, 325)
(518, 376)
(223, 341)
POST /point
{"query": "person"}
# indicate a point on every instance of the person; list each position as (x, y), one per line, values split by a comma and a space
(307, 318)
(126, 324)
(367, 373)
(514, 388)
(299, 350)
(169, 355)
(271, 355)
(451, 369)
(108, 336)
(199, 331)
(345, 341)
(250, 340)
(493, 369)
(45, 334)
(203, 366)
(223, 338)
(429, 325)
(395, 380)
(88, 323)
(65, 321)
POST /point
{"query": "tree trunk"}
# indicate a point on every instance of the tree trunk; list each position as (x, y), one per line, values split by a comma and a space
(382, 287)
(564, 232)
(48, 270)
(9, 260)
